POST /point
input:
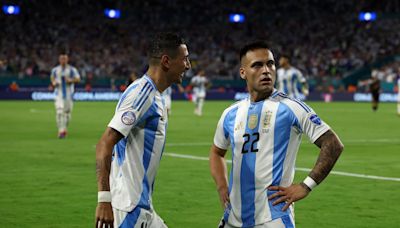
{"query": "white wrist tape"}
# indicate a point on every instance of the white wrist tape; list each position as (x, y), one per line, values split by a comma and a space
(310, 182)
(104, 196)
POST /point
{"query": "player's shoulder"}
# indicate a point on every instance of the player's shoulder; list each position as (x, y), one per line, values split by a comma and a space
(234, 106)
(294, 104)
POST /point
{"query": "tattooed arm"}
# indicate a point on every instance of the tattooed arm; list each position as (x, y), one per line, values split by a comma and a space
(103, 166)
(331, 148)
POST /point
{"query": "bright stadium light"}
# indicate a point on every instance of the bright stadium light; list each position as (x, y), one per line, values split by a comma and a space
(112, 13)
(367, 16)
(11, 9)
(236, 18)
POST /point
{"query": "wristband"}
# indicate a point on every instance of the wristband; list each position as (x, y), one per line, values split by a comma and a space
(104, 197)
(310, 183)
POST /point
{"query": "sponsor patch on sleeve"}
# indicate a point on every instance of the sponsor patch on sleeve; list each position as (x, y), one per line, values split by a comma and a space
(315, 119)
(128, 118)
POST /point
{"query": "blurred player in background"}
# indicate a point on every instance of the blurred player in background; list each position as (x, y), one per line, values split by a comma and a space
(129, 151)
(199, 83)
(289, 79)
(63, 78)
(374, 88)
(167, 95)
(264, 132)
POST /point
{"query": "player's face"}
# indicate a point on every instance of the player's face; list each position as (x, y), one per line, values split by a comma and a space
(63, 60)
(259, 71)
(283, 61)
(179, 65)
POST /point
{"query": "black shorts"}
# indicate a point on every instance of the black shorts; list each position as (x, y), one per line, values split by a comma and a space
(375, 97)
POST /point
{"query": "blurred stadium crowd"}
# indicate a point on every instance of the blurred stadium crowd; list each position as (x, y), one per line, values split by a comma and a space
(325, 38)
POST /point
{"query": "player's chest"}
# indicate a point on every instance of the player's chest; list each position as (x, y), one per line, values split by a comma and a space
(257, 121)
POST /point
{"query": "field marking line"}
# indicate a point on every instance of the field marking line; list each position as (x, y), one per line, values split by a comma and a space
(344, 141)
(340, 173)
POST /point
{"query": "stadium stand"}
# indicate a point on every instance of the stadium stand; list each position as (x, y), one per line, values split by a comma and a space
(327, 41)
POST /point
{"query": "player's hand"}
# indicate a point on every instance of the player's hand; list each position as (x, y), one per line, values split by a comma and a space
(224, 197)
(69, 80)
(289, 195)
(104, 215)
(306, 92)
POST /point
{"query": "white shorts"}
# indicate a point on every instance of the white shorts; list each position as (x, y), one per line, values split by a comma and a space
(286, 221)
(63, 105)
(138, 218)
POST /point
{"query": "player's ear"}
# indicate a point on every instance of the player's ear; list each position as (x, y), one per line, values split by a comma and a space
(242, 73)
(165, 61)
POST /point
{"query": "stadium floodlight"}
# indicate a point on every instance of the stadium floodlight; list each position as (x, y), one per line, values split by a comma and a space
(112, 13)
(11, 9)
(236, 18)
(367, 16)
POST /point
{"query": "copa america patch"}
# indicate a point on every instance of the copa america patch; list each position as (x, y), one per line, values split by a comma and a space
(128, 118)
(315, 119)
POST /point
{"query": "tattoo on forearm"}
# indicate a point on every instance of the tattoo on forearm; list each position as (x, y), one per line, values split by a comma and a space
(331, 148)
(103, 160)
(103, 167)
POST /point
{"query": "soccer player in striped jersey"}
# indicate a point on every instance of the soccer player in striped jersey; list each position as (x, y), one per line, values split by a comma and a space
(129, 151)
(290, 80)
(63, 78)
(200, 84)
(264, 132)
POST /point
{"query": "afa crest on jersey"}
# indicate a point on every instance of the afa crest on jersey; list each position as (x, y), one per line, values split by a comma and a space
(267, 120)
(252, 122)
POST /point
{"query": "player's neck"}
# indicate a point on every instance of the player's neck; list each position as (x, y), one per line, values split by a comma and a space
(257, 96)
(158, 79)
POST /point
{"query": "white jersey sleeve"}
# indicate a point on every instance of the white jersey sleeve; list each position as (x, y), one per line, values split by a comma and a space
(309, 122)
(221, 137)
(300, 76)
(75, 73)
(133, 104)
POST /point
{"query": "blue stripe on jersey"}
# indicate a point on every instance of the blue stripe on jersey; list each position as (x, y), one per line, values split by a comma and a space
(283, 124)
(285, 119)
(286, 220)
(294, 84)
(126, 93)
(229, 126)
(274, 94)
(119, 149)
(276, 211)
(247, 176)
(63, 87)
(302, 104)
(150, 80)
(141, 94)
(150, 130)
(131, 218)
(285, 86)
(142, 102)
(71, 72)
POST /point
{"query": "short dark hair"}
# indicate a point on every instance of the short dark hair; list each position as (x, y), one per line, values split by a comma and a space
(252, 46)
(285, 55)
(164, 43)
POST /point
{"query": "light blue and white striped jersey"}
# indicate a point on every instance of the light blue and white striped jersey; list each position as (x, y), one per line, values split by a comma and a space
(167, 92)
(141, 118)
(59, 73)
(289, 81)
(199, 86)
(264, 137)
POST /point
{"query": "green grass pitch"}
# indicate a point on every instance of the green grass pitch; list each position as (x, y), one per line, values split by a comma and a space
(48, 182)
